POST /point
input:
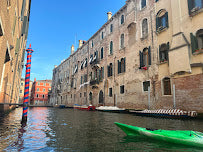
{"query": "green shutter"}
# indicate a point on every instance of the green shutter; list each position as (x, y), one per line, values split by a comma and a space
(190, 7)
(23, 9)
(157, 23)
(118, 66)
(149, 55)
(108, 70)
(24, 27)
(103, 72)
(194, 43)
(168, 47)
(17, 45)
(141, 59)
(124, 65)
(166, 16)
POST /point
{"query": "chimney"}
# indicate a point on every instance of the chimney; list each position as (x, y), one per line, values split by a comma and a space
(72, 49)
(80, 43)
(109, 15)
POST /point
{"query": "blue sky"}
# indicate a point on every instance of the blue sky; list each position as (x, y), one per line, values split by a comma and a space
(56, 25)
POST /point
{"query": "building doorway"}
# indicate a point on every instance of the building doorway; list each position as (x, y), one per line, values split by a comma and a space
(101, 97)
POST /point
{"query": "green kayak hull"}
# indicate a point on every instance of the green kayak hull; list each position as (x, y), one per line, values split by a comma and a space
(185, 137)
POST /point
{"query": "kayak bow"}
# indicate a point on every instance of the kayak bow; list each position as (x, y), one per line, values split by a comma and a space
(186, 137)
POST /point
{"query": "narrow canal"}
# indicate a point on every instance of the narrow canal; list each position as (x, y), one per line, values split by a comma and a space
(50, 129)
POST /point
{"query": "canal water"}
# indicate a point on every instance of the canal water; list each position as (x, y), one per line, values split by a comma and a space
(52, 129)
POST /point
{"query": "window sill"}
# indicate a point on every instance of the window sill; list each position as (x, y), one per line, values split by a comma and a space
(195, 12)
(163, 62)
(198, 52)
(122, 49)
(110, 54)
(121, 73)
(161, 29)
(144, 37)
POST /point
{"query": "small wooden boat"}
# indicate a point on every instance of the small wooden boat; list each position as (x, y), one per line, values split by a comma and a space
(110, 109)
(186, 137)
(84, 107)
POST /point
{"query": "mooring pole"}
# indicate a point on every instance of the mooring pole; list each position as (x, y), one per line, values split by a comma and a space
(27, 82)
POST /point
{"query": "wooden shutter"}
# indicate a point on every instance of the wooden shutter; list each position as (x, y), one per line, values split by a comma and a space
(141, 59)
(119, 66)
(17, 45)
(166, 16)
(190, 6)
(23, 9)
(108, 70)
(157, 23)
(124, 65)
(168, 47)
(149, 55)
(102, 72)
(160, 53)
(194, 43)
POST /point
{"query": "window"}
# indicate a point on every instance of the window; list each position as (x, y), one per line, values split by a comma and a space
(80, 95)
(167, 86)
(101, 73)
(86, 62)
(43, 90)
(110, 69)
(21, 84)
(194, 6)
(122, 89)
(144, 28)
(122, 41)
(92, 44)
(102, 35)
(37, 95)
(110, 92)
(121, 66)
(81, 80)
(37, 89)
(156, 0)
(85, 94)
(21, 91)
(102, 53)
(111, 47)
(143, 4)
(197, 41)
(145, 58)
(122, 19)
(43, 96)
(146, 84)
(163, 52)
(111, 28)
(90, 96)
(161, 20)
(85, 78)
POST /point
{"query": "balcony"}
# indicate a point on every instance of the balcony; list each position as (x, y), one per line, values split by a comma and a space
(94, 82)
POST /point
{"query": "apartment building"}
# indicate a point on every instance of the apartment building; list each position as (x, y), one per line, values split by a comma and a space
(14, 23)
(39, 92)
(148, 55)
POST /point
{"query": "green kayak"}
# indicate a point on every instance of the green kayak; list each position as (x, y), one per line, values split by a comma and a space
(186, 137)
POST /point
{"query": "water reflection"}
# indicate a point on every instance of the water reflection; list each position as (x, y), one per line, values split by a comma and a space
(50, 129)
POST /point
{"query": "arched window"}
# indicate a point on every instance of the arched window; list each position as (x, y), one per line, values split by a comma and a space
(197, 41)
(194, 6)
(43, 96)
(166, 86)
(121, 65)
(122, 19)
(163, 52)
(145, 58)
(102, 35)
(111, 47)
(144, 28)
(122, 41)
(161, 20)
(90, 96)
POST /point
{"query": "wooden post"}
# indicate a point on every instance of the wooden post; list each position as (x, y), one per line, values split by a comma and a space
(149, 98)
(174, 97)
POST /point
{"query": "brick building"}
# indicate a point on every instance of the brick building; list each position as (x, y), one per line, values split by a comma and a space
(14, 22)
(148, 45)
(39, 92)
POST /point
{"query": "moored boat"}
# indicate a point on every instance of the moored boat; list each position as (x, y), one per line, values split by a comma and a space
(186, 137)
(84, 107)
(110, 109)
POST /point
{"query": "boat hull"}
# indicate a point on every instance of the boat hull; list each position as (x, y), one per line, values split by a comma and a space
(88, 108)
(190, 138)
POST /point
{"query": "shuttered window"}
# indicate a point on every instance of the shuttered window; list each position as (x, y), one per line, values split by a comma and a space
(167, 86)
(122, 19)
(111, 47)
(122, 41)
(17, 45)
(194, 43)
(121, 65)
(163, 52)
(146, 84)
(102, 53)
(23, 9)
(145, 57)
(161, 20)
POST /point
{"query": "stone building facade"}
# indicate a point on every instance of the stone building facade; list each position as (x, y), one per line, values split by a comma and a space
(39, 92)
(22, 89)
(136, 59)
(14, 22)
